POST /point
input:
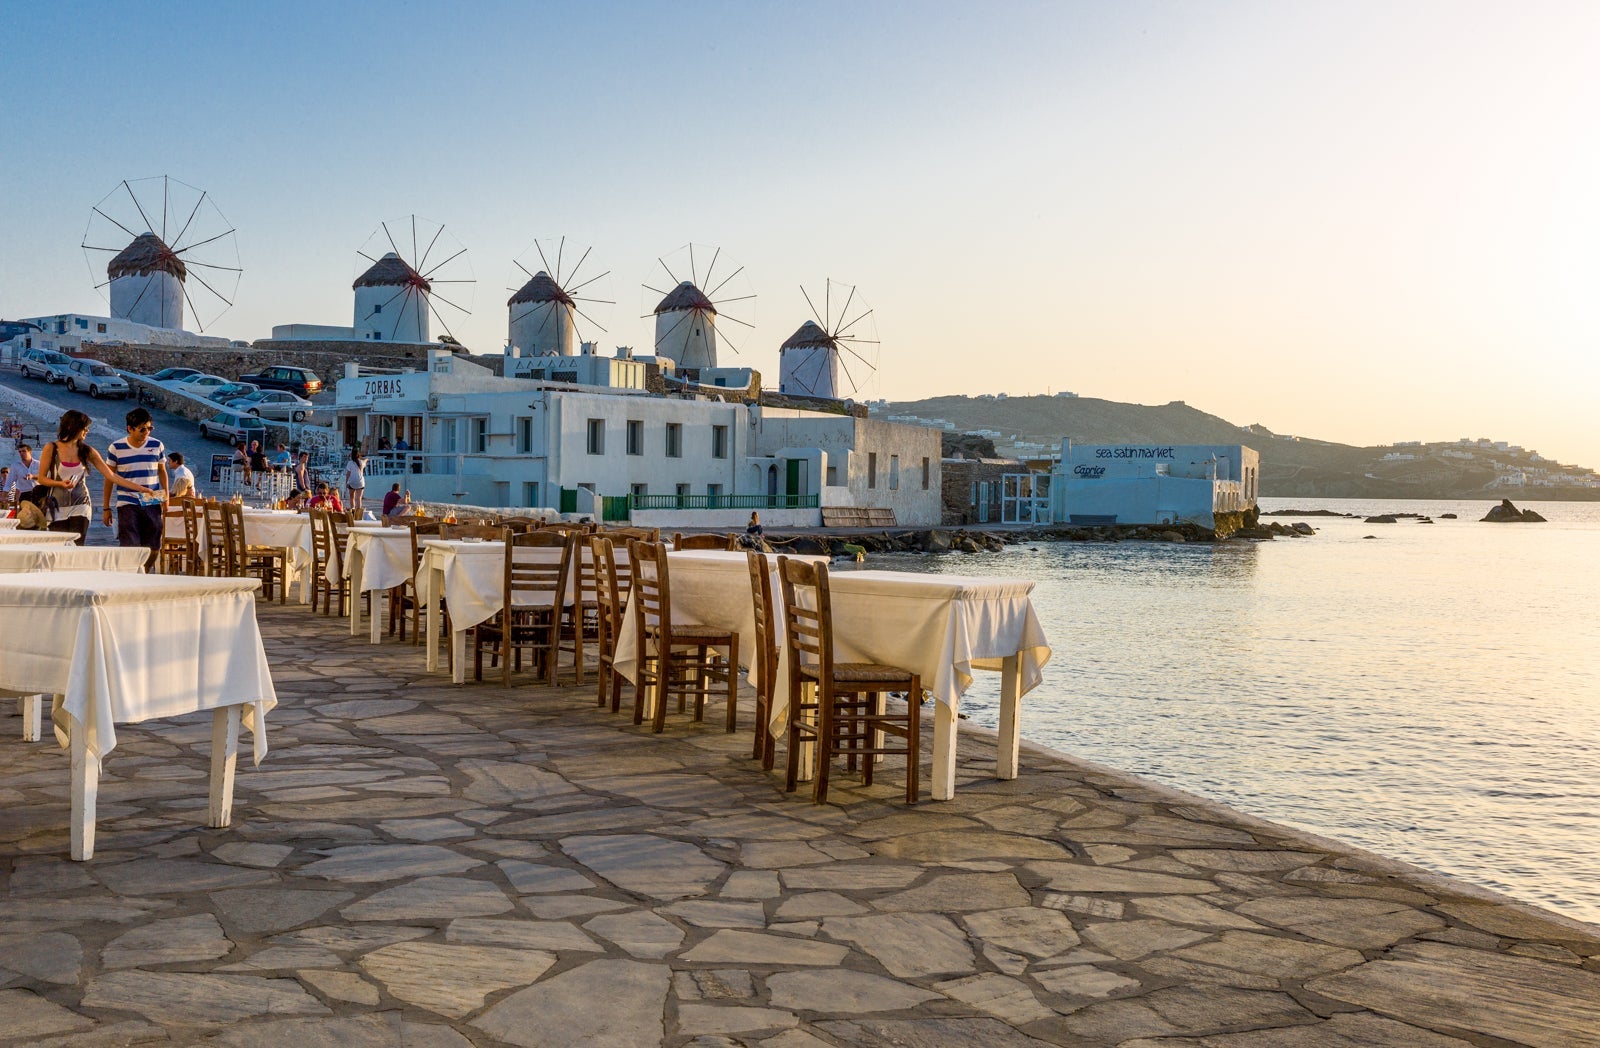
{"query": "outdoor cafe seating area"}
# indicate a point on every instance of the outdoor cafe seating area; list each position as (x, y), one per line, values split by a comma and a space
(845, 666)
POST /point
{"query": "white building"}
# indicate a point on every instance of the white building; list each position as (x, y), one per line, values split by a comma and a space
(478, 438)
(147, 283)
(808, 363)
(1153, 483)
(67, 332)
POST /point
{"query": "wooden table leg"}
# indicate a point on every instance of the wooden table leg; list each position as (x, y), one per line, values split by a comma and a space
(944, 751)
(1010, 734)
(458, 653)
(30, 707)
(353, 564)
(224, 756)
(430, 620)
(85, 792)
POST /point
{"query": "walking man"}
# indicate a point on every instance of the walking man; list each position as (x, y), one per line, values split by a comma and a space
(138, 457)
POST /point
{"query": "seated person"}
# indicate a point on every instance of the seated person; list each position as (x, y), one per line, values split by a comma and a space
(326, 498)
(394, 503)
(296, 500)
(401, 445)
(182, 476)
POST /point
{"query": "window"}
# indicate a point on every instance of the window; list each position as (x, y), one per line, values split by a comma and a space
(530, 493)
(100, 329)
(635, 436)
(894, 472)
(525, 437)
(683, 491)
(872, 469)
(674, 440)
(447, 435)
(639, 491)
(597, 436)
(926, 471)
(480, 435)
(713, 490)
(719, 442)
(83, 323)
(377, 309)
(377, 336)
(833, 476)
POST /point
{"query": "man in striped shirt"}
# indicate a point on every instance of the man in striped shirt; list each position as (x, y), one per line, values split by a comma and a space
(138, 457)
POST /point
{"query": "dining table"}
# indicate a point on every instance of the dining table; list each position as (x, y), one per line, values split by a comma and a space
(376, 559)
(128, 648)
(469, 577)
(8, 523)
(943, 628)
(39, 538)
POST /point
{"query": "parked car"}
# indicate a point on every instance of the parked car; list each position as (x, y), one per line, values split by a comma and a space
(233, 426)
(100, 380)
(200, 385)
(231, 391)
(173, 374)
(44, 363)
(274, 403)
(303, 381)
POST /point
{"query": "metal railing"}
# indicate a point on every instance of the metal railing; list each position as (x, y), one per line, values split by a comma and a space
(639, 502)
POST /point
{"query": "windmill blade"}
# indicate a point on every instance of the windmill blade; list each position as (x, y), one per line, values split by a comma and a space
(571, 291)
(414, 236)
(449, 303)
(851, 379)
(368, 257)
(668, 333)
(655, 291)
(859, 357)
(193, 312)
(137, 205)
(437, 317)
(390, 235)
(187, 221)
(434, 282)
(208, 287)
(419, 299)
(736, 298)
(821, 322)
(593, 301)
(670, 275)
(203, 243)
(844, 310)
(530, 311)
(843, 331)
(722, 337)
(712, 268)
(694, 273)
(590, 319)
(119, 225)
(429, 274)
(712, 294)
(736, 320)
(140, 298)
(190, 264)
(540, 248)
(574, 274)
(429, 250)
(163, 208)
(522, 267)
(560, 250)
(91, 247)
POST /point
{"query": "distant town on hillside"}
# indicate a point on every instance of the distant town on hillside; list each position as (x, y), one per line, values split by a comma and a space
(1032, 428)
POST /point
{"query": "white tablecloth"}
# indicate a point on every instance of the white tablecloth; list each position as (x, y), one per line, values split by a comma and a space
(375, 560)
(17, 559)
(8, 523)
(37, 538)
(278, 528)
(125, 648)
(471, 577)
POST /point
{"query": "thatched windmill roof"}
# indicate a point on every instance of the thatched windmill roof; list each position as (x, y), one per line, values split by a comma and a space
(391, 271)
(147, 254)
(540, 289)
(809, 335)
(686, 296)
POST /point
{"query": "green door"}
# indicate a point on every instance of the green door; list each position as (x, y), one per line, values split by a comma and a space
(792, 482)
(569, 500)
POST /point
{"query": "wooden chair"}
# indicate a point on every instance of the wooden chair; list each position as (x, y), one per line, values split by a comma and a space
(181, 555)
(612, 605)
(403, 598)
(676, 658)
(325, 552)
(681, 541)
(519, 525)
(765, 658)
(267, 563)
(620, 537)
(216, 529)
(486, 532)
(530, 617)
(849, 697)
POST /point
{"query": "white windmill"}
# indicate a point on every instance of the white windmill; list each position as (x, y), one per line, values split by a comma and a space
(687, 317)
(542, 315)
(181, 236)
(843, 338)
(406, 286)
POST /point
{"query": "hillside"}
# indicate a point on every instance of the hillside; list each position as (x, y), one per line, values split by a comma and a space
(1291, 466)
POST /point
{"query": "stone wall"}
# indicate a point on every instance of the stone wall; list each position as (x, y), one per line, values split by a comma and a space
(327, 359)
(957, 478)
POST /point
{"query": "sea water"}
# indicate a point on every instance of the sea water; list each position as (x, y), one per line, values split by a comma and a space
(1428, 691)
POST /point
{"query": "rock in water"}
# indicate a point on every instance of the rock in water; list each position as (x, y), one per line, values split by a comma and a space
(1506, 513)
(1382, 518)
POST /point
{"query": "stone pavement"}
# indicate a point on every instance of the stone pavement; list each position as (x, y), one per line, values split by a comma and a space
(422, 865)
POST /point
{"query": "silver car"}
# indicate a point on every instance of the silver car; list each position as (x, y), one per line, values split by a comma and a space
(95, 378)
(275, 404)
(44, 363)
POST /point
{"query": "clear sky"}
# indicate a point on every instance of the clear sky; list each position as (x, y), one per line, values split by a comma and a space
(1363, 222)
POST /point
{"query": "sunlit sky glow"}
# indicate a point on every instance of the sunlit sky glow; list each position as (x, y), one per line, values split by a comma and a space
(1363, 222)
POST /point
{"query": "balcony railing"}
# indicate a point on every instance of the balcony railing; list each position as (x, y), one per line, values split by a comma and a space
(638, 502)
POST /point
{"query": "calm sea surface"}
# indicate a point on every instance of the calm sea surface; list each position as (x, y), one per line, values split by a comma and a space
(1431, 693)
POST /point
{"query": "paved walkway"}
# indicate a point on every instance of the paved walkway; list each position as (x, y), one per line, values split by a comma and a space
(421, 865)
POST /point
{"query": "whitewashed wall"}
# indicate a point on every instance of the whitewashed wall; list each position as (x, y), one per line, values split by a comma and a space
(155, 299)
